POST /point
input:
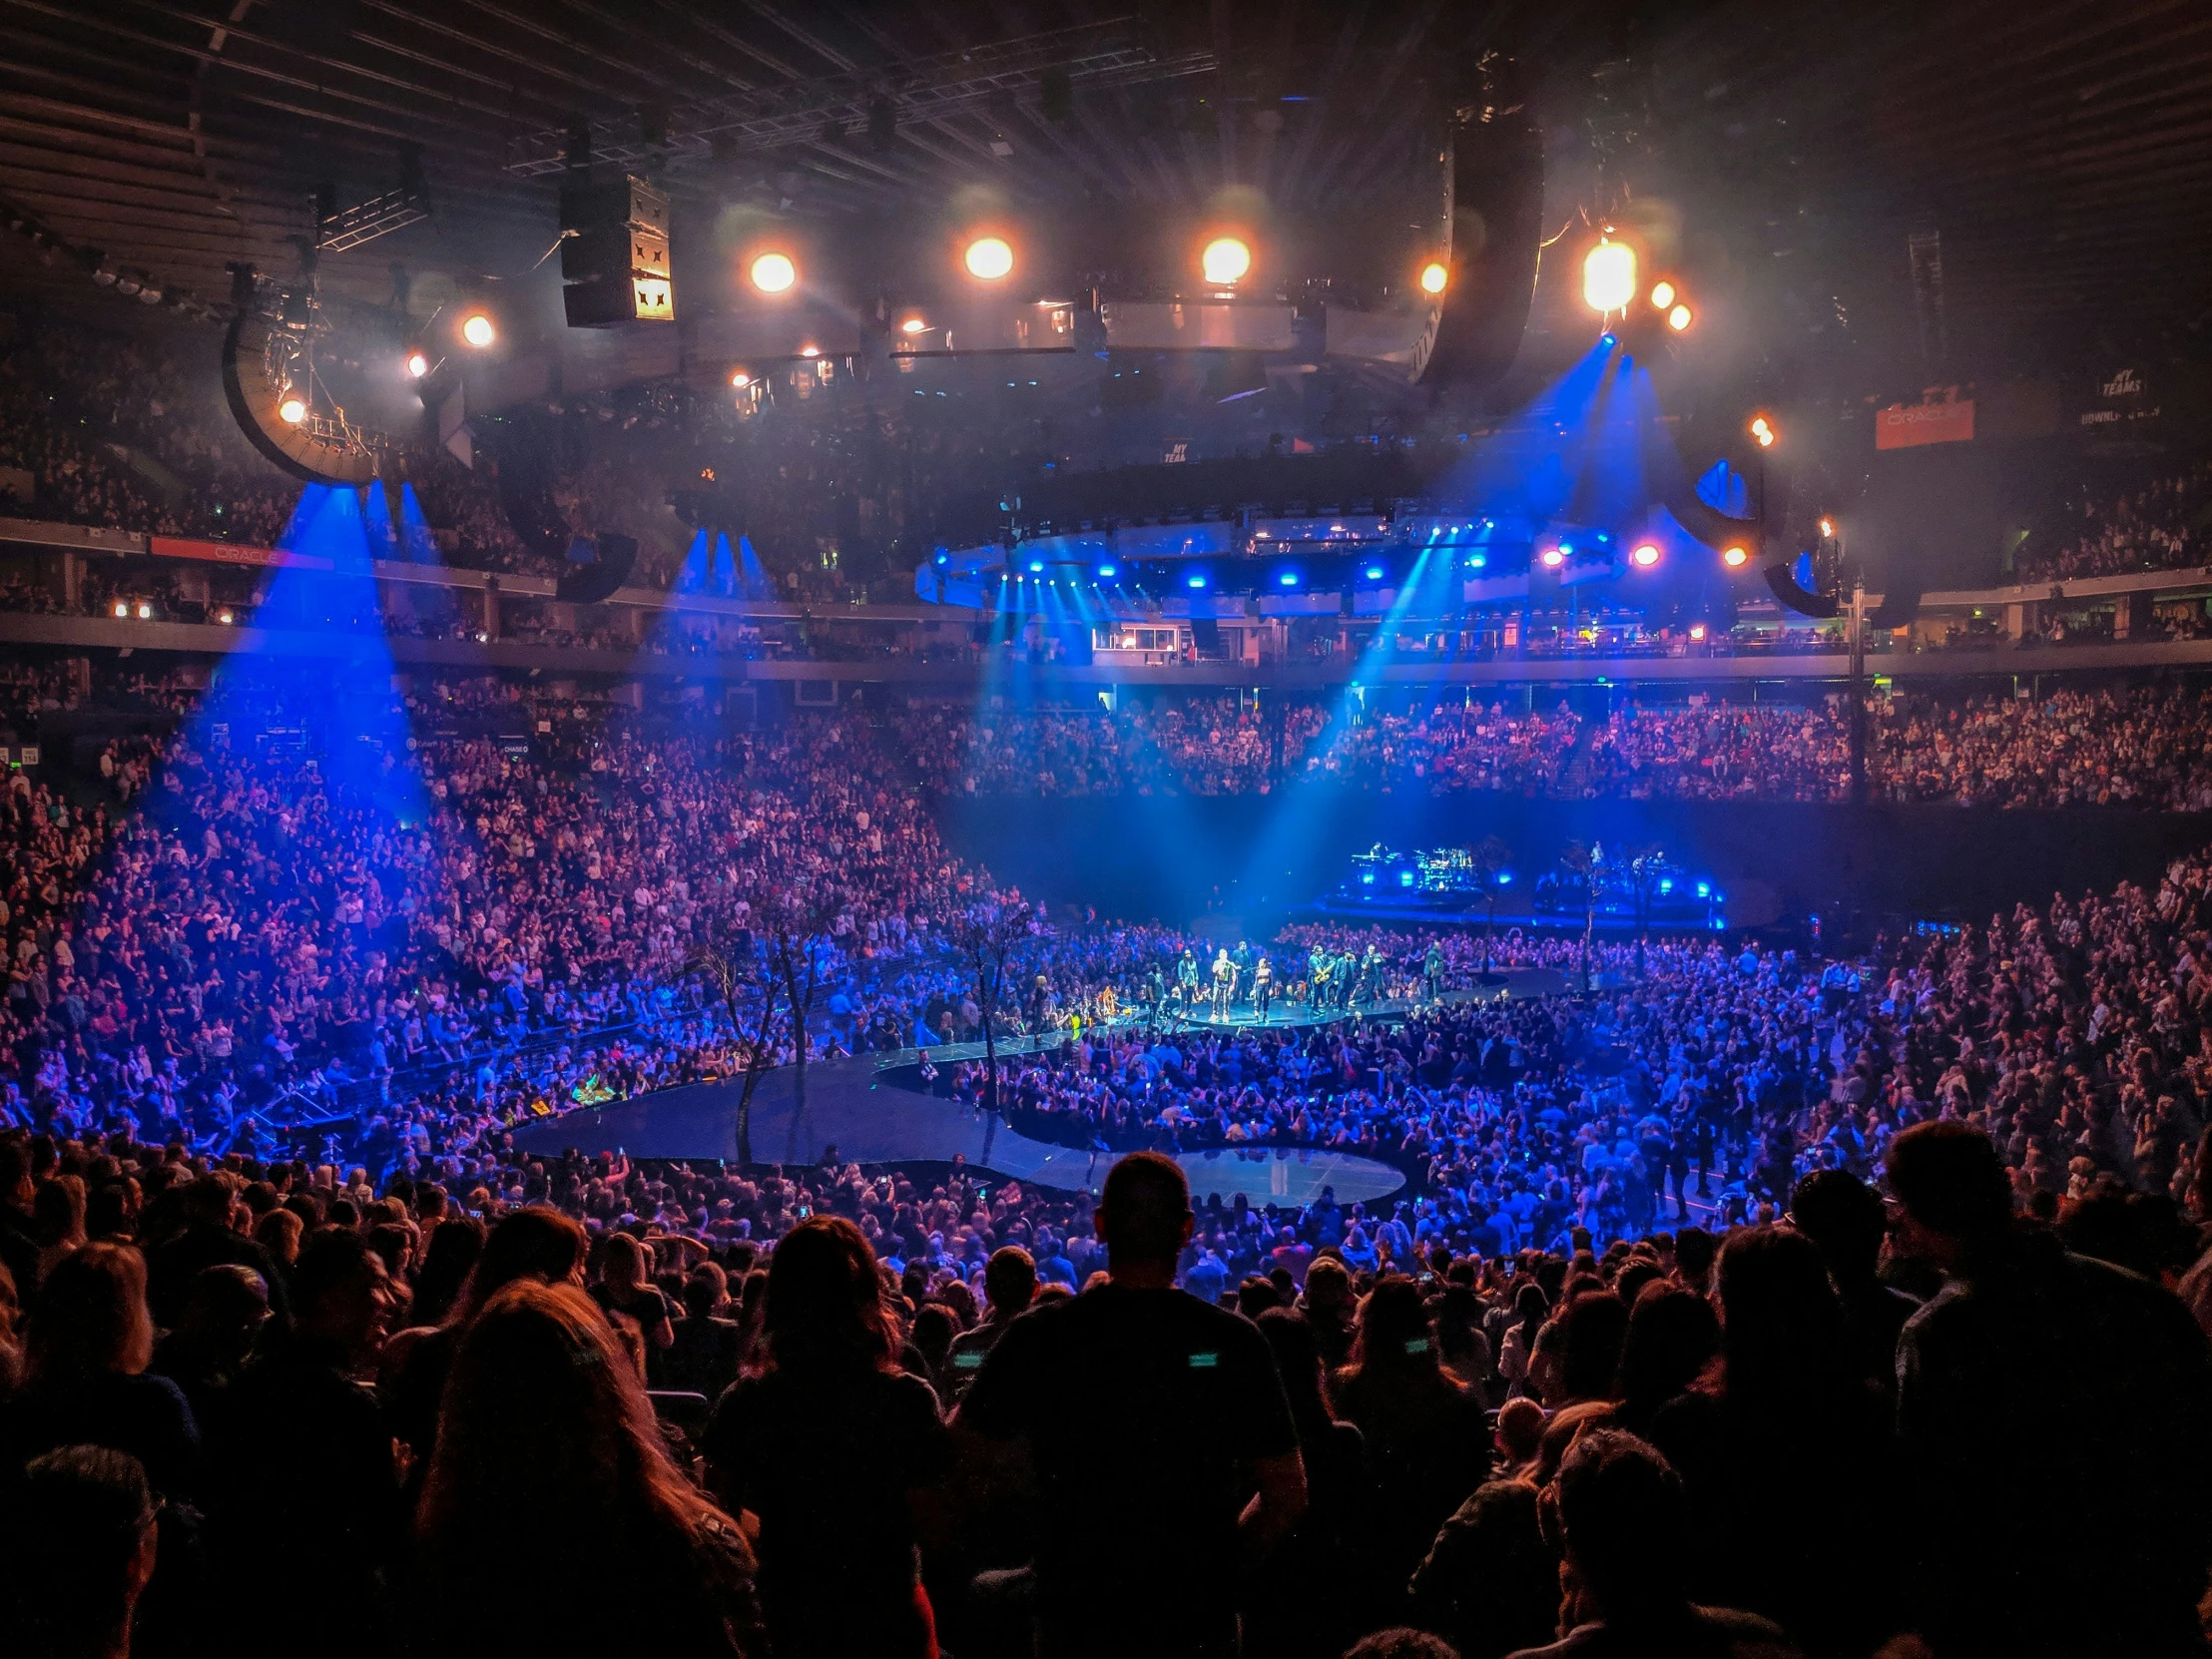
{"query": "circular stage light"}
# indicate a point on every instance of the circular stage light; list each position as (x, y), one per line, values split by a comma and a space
(773, 272)
(418, 363)
(1680, 319)
(1552, 558)
(293, 410)
(741, 379)
(1225, 260)
(1609, 275)
(988, 258)
(1828, 527)
(1662, 295)
(1735, 556)
(1763, 430)
(477, 330)
(1434, 277)
(1646, 555)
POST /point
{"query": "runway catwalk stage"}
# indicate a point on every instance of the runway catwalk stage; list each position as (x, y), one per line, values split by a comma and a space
(1244, 1016)
(871, 1110)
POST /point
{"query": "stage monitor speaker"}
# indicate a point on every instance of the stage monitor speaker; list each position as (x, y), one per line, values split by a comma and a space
(592, 584)
(614, 254)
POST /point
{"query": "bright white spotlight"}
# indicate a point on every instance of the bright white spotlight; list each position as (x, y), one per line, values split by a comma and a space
(1434, 277)
(1662, 295)
(1828, 527)
(1762, 429)
(1609, 275)
(1735, 556)
(1646, 555)
(122, 608)
(1697, 632)
(774, 272)
(810, 350)
(1552, 558)
(477, 330)
(1680, 319)
(913, 325)
(1224, 261)
(418, 363)
(988, 258)
(223, 617)
(293, 410)
(145, 611)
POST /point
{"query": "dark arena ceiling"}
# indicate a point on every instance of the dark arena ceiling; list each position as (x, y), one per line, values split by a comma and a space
(2057, 152)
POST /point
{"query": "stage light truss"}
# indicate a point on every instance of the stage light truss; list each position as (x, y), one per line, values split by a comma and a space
(380, 215)
(913, 90)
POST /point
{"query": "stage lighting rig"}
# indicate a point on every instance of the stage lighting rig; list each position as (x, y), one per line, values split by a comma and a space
(310, 382)
(1225, 262)
(989, 258)
(478, 330)
(1433, 275)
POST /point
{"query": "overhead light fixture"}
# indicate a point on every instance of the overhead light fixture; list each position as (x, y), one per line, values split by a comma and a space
(913, 325)
(224, 617)
(1108, 571)
(1735, 556)
(145, 612)
(293, 409)
(122, 607)
(1288, 578)
(477, 330)
(1697, 633)
(1375, 573)
(1476, 561)
(1646, 555)
(1662, 295)
(1197, 581)
(1828, 527)
(988, 258)
(419, 363)
(1680, 319)
(1225, 260)
(1762, 431)
(773, 272)
(810, 350)
(1608, 275)
(1434, 277)
(1552, 558)
(1036, 567)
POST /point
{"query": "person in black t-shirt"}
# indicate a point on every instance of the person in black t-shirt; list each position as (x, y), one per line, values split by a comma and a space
(1159, 1433)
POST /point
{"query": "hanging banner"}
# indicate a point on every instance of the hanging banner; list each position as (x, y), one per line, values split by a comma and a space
(1907, 426)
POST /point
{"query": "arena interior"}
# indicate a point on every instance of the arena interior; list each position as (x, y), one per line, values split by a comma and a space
(841, 831)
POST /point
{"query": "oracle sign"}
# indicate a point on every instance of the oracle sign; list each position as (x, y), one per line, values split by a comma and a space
(1907, 426)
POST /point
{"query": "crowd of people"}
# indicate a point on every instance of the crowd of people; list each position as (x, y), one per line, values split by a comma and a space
(276, 1000)
(2158, 527)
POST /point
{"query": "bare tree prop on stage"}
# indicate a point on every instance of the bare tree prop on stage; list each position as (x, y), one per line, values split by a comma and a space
(989, 934)
(796, 921)
(1580, 863)
(1490, 858)
(747, 987)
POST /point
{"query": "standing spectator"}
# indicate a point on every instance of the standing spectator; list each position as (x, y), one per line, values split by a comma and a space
(2057, 1423)
(1621, 1523)
(553, 1522)
(81, 1551)
(1009, 1287)
(88, 1344)
(1148, 1415)
(329, 1541)
(838, 1452)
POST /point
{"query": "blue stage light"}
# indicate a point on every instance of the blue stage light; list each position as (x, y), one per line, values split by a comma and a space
(1108, 569)
(1705, 889)
(1504, 877)
(1288, 578)
(944, 558)
(1478, 561)
(1375, 573)
(1606, 340)
(1404, 878)
(1366, 877)
(1198, 581)
(1036, 567)
(1667, 886)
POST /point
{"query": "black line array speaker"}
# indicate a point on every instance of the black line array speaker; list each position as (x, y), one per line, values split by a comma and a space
(614, 256)
(591, 584)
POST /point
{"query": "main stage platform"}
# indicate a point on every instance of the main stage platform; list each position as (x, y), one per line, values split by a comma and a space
(857, 1107)
(1510, 985)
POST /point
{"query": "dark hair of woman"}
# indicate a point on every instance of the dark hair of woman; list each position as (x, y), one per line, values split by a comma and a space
(823, 1310)
(549, 1473)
